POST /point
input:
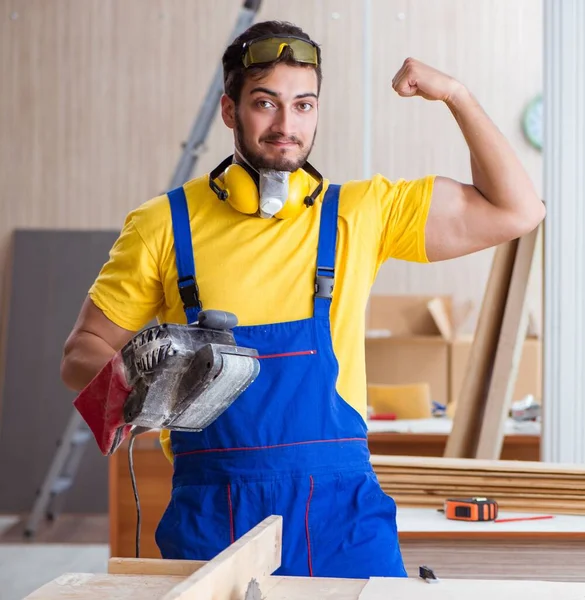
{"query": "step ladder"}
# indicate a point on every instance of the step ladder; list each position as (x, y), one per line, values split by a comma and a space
(61, 474)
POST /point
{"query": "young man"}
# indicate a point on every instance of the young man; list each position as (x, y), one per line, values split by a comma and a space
(297, 273)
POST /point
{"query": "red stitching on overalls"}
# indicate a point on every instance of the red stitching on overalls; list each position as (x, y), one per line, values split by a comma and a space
(303, 353)
(205, 450)
(307, 528)
(229, 494)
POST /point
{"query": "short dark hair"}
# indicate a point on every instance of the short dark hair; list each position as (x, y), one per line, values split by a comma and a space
(234, 73)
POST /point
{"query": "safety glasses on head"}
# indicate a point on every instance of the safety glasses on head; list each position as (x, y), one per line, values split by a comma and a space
(267, 49)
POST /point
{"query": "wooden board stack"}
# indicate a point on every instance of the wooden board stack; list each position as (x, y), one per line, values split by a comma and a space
(520, 486)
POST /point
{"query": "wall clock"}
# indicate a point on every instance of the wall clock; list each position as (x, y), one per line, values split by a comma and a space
(532, 122)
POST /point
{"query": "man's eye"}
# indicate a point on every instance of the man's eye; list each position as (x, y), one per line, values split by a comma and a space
(305, 106)
(264, 104)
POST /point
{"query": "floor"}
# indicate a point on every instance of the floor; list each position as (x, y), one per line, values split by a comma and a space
(73, 543)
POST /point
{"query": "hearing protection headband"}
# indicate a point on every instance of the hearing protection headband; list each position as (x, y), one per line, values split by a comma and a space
(268, 48)
(223, 194)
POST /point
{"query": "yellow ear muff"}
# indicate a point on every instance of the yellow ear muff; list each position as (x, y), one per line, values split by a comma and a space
(299, 187)
(241, 189)
(244, 197)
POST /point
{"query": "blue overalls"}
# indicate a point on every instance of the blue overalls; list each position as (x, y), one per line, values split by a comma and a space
(289, 446)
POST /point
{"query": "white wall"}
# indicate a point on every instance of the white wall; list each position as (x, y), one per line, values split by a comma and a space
(97, 96)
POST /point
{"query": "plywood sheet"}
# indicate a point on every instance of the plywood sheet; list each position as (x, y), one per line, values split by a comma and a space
(85, 586)
(307, 588)
(458, 589)
(462, 442)
(90, 586)
(51, 274)
(509, 351)
(564, 469)
(481, 557)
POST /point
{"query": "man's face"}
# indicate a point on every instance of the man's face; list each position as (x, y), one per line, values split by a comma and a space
(276, 119)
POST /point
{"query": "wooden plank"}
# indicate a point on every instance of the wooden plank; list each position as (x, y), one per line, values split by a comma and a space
(560, 486)
(470, 404)
(495, 492)
(315, 588)
(571, 472)
(153, 566)
(379, 588)
(522, 478)
(509, 351)
(516, 485)
(256, 555)
(87, 586)
(90, 586)
(477, 465)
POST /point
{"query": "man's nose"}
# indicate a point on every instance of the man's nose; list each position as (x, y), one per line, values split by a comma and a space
(283, 123)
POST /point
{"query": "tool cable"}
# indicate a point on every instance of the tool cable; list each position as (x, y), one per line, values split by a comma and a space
(135, 431)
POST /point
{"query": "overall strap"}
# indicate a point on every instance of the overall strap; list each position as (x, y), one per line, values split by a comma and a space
(187, 283)
(325, 275)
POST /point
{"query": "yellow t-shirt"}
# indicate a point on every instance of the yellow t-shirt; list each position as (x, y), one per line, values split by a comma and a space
(263, 270)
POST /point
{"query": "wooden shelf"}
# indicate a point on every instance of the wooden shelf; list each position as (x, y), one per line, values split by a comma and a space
(516, 446)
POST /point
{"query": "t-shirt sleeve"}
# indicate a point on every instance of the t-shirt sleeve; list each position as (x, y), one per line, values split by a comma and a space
(128, 288)
(404, 208)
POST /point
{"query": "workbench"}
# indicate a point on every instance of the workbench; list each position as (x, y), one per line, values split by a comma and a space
(428, 437)
(551, 549)
(96, 587)
(247, 566)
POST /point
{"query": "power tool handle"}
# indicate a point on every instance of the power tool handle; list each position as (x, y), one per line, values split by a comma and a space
(217, 319)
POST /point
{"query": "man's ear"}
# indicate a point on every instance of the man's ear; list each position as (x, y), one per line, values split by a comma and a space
(228, 111)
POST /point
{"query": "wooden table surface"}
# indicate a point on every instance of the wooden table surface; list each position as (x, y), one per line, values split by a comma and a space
(516, 446)
(428, 437)
(551, 549)
(426, 523)
(84, 586)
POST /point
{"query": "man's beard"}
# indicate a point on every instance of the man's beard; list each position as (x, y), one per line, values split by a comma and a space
(259, 161)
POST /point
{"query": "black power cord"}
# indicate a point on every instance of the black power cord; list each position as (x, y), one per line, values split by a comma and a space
(135, 431)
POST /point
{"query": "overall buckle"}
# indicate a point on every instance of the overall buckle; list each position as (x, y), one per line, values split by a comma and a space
(324, 283)
(189, 292)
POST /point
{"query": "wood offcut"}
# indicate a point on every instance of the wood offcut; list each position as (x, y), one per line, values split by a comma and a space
(486, 393)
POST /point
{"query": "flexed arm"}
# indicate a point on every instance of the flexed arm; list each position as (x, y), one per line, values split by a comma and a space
(501, 204)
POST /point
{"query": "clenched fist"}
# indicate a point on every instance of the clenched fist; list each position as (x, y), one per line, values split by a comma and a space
(417, 79)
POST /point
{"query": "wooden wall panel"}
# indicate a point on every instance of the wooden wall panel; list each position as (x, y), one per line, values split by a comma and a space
(97, 95)
(492, 46)
(339, 145)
